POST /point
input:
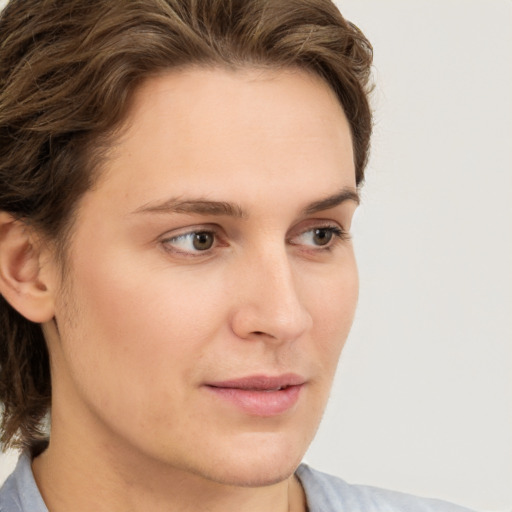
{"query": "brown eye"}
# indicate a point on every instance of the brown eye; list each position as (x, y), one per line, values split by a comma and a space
(203, 241)
(193, 242)
(322, 236)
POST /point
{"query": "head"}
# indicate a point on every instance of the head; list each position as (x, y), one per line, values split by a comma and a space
(204, 94)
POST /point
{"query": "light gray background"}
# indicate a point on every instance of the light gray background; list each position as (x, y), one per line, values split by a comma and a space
(423, 399)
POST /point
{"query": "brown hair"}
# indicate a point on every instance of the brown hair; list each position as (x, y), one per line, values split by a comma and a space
(67, 71)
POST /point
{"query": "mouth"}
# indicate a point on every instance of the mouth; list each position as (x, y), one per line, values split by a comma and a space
(260, 395)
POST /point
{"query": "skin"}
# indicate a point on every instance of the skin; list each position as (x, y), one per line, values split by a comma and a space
(143, 319)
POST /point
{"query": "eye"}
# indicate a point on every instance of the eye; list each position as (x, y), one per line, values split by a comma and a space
(322, 237)
(191, 242)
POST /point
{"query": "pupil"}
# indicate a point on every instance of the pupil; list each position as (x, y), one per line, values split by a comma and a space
(203, 241)
(322, 236)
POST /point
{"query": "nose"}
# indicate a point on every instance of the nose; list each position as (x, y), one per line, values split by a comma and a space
(268, 301)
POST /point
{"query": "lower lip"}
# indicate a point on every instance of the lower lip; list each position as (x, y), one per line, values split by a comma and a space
(260, 403)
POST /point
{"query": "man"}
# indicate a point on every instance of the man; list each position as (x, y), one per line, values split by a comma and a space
(178, 180)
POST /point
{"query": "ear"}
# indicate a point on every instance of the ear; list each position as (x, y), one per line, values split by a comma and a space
(23, 282)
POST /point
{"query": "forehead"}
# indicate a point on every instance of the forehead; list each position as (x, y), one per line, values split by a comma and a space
(198, 99)
(196, 131)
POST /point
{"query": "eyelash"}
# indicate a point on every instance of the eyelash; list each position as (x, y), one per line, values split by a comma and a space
(338, 235)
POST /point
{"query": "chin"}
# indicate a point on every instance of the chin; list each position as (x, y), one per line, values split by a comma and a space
(261, 462)
(248, 474)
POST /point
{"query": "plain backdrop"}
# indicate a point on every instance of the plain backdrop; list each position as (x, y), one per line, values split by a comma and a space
(423, 398)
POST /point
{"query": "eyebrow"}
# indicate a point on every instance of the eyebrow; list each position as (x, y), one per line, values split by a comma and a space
(206, 207)
(346, 194)
(195, 206)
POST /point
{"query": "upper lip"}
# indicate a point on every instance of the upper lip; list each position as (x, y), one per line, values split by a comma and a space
(260, 382)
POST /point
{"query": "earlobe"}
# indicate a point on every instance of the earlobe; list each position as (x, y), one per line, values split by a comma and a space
(22, 282)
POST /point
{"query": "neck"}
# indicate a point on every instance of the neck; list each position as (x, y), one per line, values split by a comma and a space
(80, 475)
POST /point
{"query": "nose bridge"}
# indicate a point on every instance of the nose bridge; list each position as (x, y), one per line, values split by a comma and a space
(269, 302)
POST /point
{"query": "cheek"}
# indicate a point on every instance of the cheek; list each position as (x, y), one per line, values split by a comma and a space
(135, 295)
(141, 330)
(133, 347)
(333, 308)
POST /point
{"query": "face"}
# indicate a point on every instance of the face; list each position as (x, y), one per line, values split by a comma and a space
(212, 281)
